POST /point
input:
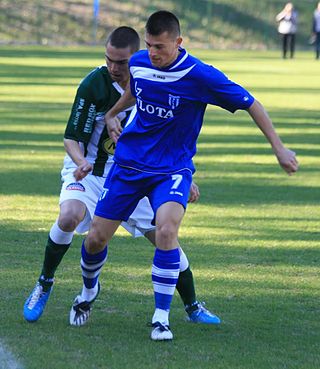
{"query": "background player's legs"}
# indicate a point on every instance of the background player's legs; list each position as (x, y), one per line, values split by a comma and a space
(72, 212)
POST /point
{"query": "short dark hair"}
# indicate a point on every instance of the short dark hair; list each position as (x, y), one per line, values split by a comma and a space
(163, 21)
(123, 37)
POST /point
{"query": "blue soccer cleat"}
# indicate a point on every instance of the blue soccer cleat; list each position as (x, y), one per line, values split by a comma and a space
(197, 313)
(35, 304)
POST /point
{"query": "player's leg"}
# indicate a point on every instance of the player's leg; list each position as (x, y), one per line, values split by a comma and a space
(116, 202)
(185, 284)
(77, 203)
(140, 224)
(196, 311)
(168, 198)
(72, 212)
(94, 255)
(166, 266)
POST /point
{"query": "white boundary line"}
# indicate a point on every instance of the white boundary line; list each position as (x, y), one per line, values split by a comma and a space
(7, 360)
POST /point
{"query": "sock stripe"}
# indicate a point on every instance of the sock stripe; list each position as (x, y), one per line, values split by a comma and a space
(161, 280)
(164, 289)
(91, 266)
(165, 273)
(168, 266)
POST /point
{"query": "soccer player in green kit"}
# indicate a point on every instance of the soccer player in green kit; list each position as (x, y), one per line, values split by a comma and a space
(87, 163)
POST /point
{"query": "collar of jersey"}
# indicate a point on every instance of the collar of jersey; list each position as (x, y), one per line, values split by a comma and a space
(180, 59)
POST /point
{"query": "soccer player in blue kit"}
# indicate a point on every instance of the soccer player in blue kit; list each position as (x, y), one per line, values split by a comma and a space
(154, 154)
(88, 160)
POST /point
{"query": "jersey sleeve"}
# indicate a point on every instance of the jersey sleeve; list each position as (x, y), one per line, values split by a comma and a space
(216, 89)
(82, 118)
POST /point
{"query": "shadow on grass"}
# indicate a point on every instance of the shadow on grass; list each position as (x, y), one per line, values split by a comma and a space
(41, 52)
(208, 251)
(46, 76)
(218, 192)
(21, 136)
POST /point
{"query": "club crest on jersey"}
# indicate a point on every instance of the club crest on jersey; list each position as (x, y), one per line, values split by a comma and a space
(75, 186)
(174, 101)
(109, 146)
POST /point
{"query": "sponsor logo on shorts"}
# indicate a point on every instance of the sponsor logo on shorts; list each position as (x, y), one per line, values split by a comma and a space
(75, 187)
(176, 193)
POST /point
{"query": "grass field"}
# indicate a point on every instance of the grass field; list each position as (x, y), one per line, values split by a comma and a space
(253, 239)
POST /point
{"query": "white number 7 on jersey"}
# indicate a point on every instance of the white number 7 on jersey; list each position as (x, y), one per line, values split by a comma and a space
(177, 178)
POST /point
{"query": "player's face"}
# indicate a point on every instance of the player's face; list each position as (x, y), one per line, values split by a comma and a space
(163, 49)
(117, 63)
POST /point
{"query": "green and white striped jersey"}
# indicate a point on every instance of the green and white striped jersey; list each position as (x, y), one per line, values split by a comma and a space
(96, 95)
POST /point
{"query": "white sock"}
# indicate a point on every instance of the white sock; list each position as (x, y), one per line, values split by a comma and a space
(161, 316)
(89, 294)
(60, 237)
(184, 262)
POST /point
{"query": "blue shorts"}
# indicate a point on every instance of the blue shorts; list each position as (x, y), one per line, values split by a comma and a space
(124, 187)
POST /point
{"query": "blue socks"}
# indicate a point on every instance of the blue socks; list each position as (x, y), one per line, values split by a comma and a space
(165, 273)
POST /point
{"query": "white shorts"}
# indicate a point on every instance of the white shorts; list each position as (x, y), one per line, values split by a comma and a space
(88, 191)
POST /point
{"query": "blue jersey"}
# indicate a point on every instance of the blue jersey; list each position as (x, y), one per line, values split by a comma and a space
(161, 134)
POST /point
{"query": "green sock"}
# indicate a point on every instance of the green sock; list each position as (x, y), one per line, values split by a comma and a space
(185, 287)
(53, 256)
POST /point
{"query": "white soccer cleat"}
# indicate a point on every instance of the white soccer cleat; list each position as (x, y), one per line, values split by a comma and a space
(80, 310)
(161, 332)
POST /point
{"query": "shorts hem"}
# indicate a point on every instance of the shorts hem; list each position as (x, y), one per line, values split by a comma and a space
(106, 216)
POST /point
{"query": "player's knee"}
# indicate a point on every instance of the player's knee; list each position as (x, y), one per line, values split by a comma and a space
(166, 235)
(68, 222)
(95, 241)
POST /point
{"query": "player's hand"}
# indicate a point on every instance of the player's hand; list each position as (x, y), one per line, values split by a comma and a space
(114, 127)
(287, 160)
(82, 171)
(194, 193)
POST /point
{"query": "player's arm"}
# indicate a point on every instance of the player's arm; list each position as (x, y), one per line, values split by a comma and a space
(80, 126)
(286, 158)
(74, 151)
(112, 121)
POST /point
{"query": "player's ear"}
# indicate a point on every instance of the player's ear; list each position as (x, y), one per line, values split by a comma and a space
(179, 41)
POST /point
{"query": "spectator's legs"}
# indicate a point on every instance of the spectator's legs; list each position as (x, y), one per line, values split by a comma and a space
(292, 44)
(284, 46)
